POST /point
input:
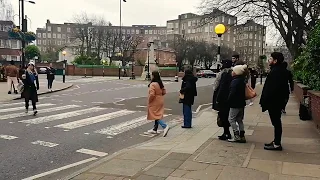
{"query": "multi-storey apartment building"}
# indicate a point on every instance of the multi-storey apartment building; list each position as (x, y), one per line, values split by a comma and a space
(55, 36)
(190, 26)
(250, 41)
(10, 49)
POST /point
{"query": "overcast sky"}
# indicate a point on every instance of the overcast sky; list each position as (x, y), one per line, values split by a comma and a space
(134, 11)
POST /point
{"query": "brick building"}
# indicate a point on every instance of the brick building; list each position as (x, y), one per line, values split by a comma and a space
(10, 49)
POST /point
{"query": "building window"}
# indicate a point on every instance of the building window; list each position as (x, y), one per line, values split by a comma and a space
(14, 44)
(234, 39)
(68, 30)
(39, 35)
(44, 35)
(59, 29)
(250, 36)
(14, 58)
(177, 25)
(44, 42)
(132, 31)
(189, 23)
(255, 36)
(137, 31)
(54, 35)
(255, 43)
(49, 28)
(229, 20)
(150, 32)
(183, 26)
(63, 36)
(216, 19)
(49, 35)
(59, 42)
(250, 43)
(234, 48)
(146, 31)
(39, 42)
(222, 19)
(189, 31)
(59, 36)
(228, 37)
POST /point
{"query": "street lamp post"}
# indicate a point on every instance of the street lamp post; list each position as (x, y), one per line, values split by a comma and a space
(64, 66)
(148, 74)
(262, 46)
(220, 29)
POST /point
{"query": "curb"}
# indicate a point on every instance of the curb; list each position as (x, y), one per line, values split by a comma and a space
(49, 92)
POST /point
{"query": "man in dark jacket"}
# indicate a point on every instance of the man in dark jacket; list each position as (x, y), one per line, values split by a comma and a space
(290, 80)
(220, 96)
(237, 101)
(50, 76)
(273, 97)
(189, 90)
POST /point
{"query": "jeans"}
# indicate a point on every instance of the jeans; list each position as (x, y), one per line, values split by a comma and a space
(187, 115)
(50, 81)
(236, 116)
(275, 116)
(156, 124)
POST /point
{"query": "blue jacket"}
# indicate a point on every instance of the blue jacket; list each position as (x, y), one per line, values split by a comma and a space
(237, 94)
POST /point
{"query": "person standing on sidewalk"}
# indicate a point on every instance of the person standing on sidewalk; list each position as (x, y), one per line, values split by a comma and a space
(273, 97)
(50, 76)
(237, 101)
(31, 85)
(188, 91)
(12, 74)
(290, 81)
(156, 104)
(220, 97)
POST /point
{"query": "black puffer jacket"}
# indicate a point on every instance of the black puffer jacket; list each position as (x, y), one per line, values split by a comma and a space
(188, 89)
(237, 94)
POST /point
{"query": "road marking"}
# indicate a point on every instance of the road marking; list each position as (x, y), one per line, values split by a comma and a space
(60, 169)
(200, 106)
(42, 111)
(11, 104)
(125, 126)
(43, 143)
(148, 135)
(22, 108)
(7, 137)
(92, 152)
(61, 116)
(94, 120)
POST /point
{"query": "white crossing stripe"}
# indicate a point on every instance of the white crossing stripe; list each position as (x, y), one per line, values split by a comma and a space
(60, 169)
(7, 137)
(93, 120)
(23, 114)
(92, 152)
(44, 119)
(46, 144)
(22, 108)
(125, 126)
(11, 104)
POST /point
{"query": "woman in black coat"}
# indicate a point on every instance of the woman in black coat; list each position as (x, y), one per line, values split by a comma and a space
(31, 85)
(220, 96)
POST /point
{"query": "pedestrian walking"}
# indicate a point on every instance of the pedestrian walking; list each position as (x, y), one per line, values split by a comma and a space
(31, 85)
(220, 97)
(12, 74)
(51, 72)
(156, 104)
(291, 86)
(273, 97)
(237, 101)
(187, 93)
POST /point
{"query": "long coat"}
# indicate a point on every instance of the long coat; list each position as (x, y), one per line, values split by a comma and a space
(30, 88)
(155, 102)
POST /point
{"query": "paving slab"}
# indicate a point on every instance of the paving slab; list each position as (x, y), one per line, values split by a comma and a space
(142, 155)
(121, 167)
(170, 163)
(178, 156)
(179, 173)
(232, 173)
(224, 153)
(271, 167)
(159, 171)
(147, 177)
(287, 177)
(193, 166)
(177, 178)
(88, 176)
(211, 172)
(299, 169)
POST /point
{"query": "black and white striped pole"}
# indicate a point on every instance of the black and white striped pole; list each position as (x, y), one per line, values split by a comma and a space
(220, 29)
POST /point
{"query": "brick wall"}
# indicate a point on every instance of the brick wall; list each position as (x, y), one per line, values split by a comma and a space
(300, 90)
(315, 107)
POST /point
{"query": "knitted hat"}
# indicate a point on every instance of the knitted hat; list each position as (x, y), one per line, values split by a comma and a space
(239, 69)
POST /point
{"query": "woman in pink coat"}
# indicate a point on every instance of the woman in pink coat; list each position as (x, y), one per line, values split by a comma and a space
(156, 104)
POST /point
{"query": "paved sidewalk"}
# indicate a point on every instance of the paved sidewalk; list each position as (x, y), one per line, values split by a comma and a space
(57, 86)
(196, 153)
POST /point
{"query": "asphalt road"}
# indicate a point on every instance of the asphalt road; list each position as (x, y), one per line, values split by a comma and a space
(79, 126)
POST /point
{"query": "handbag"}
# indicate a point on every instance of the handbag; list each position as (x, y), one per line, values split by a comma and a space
(250, 93)
(20, 87)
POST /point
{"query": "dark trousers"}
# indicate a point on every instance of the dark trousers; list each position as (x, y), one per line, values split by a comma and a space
(275, 116)
(50, 81)
(34, 106)
(224, 115)
(187, 115)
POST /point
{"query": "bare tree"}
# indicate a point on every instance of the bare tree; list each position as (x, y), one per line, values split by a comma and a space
(129, 47)
(292, 18)
(110, 42)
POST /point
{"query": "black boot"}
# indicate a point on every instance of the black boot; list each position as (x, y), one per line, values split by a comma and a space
(242, 137)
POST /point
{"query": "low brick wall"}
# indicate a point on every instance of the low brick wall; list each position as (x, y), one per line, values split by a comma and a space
(300, 90)
(315, 106)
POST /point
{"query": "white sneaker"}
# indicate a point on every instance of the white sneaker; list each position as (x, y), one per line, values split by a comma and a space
(165, 131)
(151, 131)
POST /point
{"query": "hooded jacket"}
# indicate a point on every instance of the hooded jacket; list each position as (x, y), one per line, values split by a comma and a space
(188, 89)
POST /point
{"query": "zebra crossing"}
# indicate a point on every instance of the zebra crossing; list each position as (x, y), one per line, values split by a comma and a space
(107, 122)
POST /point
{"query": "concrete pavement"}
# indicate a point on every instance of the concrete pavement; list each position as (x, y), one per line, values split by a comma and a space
(196, 153)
